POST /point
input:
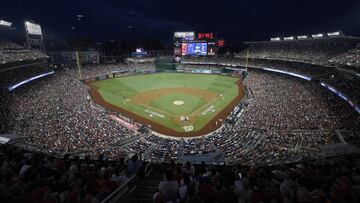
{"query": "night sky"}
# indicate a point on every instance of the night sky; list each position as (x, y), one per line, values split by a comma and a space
(236, 21)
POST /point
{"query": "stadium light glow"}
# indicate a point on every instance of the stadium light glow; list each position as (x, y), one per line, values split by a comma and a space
(275, 39)
(11, 88)
(5, 23)
(318, 35)
(334, 34)
(303, 37)
(357, 109)
(289, 38)
(32, 28)
(288, 73)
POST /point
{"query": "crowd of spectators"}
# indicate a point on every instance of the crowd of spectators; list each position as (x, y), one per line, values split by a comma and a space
(58, 115)
(342, 81)
(348, 85)
(11, 52)
(327, 180)
(305, 69)
(318, 51)
(37, 177)
(4, 110)
(93, 70)
(307, 105)
(196, 68)
(286, 119)
(349, 59)
(14, 76)
(9, 78)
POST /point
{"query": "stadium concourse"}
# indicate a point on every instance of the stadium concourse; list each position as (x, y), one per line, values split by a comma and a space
(72, 151)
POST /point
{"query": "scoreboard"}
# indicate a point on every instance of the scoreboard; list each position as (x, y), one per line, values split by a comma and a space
(193, 48)
(205, 35)
(202, 44)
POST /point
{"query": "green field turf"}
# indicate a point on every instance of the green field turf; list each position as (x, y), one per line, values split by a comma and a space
(166, 103)
(117, 91)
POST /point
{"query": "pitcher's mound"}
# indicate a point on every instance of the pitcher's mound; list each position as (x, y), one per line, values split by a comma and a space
(178, 102)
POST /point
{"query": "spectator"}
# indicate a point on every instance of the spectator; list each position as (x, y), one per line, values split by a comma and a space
(183, 188)
(134, 165)
(192, 195)
(188, 168)
(206, 191)
(169, 187)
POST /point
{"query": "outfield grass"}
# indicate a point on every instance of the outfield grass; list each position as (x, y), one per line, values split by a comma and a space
(117, 91)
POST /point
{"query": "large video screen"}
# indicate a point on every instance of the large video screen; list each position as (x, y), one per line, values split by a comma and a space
(33, 29)
(184, 36)
(194, 49)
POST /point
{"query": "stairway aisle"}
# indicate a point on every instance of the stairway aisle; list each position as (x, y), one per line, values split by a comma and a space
(146, 188)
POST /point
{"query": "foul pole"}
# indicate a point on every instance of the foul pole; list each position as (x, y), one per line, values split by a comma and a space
(247, 59)
(78, 64)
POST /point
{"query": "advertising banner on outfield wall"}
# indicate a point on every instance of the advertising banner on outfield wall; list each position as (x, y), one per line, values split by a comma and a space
(101, 77)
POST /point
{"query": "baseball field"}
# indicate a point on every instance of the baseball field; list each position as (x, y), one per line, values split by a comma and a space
(175, 104)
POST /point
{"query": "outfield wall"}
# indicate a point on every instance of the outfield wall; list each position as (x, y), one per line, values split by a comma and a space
(132, 73)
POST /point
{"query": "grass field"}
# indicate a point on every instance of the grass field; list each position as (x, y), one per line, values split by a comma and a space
(166, 103)
(165, 97)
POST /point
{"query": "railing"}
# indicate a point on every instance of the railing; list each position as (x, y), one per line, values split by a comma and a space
(122, 193)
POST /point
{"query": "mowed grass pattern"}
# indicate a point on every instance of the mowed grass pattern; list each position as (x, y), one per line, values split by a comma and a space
(117, 91)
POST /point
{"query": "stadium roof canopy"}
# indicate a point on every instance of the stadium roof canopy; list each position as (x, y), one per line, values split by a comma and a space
(2, 27)
(5, 138)
(302, 40)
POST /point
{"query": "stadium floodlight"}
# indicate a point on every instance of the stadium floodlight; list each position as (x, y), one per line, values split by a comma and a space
(289, 38)
(80, 17)
(334, 34)
(32, 28)
(275, 39)
(303, 37)
(139, 50)
(321, 35)
(5, 23)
